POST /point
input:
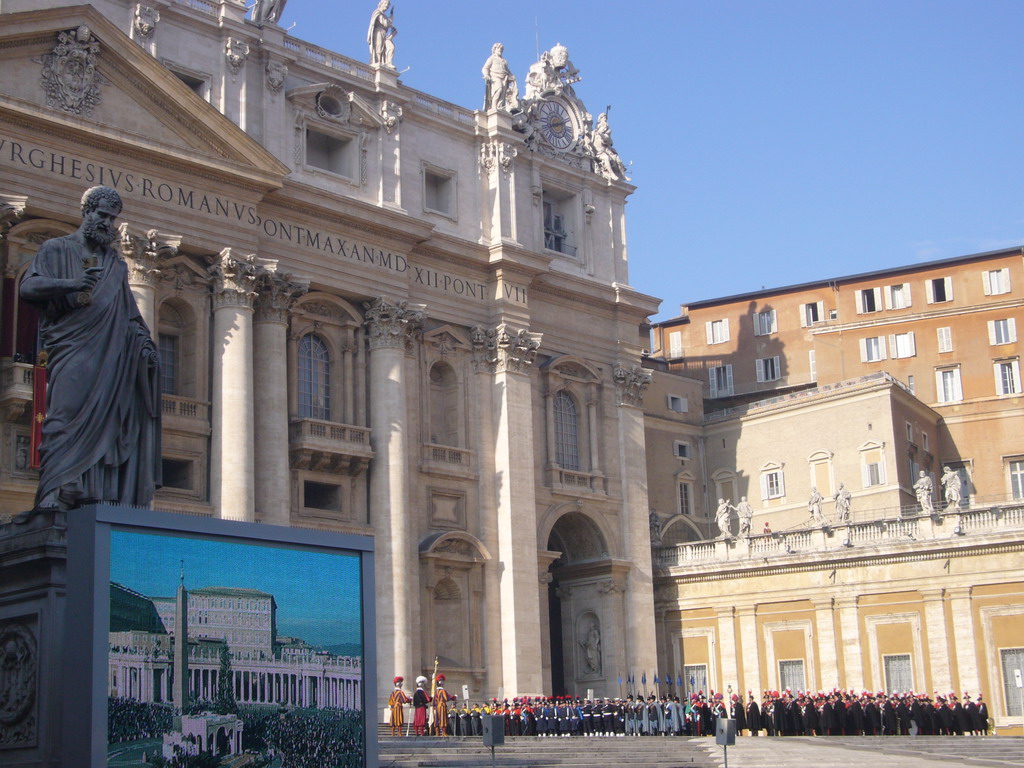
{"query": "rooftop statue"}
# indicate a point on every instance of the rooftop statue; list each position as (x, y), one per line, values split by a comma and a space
(501, 91)
(101, 435)
(606, 159)
(381, 35)
(552, 75)
(268, 11)
(923, 491)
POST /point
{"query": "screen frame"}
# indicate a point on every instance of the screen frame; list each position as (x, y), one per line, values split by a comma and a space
(87, 610)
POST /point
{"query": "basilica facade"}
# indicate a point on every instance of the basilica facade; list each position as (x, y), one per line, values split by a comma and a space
(378, 313)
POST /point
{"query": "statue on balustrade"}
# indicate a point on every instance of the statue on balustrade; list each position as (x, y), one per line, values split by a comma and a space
(722, 518)
(502, 91)
(814, 506)
(951, 487)
(923, 490)
(746, 515)
(843, 498)
(101, 434)
(381, 35)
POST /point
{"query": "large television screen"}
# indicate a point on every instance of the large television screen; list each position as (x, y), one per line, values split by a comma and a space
(230, 643)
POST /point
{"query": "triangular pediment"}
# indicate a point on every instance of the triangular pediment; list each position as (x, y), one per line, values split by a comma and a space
(447, 337)
(131, 100)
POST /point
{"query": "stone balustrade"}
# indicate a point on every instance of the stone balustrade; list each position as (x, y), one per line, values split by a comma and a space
(328, 446)
(185, 408)
(998, 518)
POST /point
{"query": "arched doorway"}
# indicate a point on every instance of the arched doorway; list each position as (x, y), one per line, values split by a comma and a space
(582, 608)
(223, 745)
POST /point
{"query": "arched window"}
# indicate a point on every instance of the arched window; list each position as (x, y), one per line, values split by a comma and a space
(567, 432)
(314, 378)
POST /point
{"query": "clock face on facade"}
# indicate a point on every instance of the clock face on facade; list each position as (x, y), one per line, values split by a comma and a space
(556, 125)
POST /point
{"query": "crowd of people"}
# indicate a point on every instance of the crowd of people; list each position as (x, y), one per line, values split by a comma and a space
(130, 720)
(785, 713)
(307, 738)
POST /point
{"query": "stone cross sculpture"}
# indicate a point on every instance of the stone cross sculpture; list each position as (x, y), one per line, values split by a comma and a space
(101, 435)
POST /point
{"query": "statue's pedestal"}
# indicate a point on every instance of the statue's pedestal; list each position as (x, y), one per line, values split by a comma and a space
(33, 582)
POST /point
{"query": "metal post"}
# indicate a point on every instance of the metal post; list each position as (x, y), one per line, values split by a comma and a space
(725, 756)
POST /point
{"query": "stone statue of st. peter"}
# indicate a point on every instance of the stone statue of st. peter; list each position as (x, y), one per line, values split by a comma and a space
(101, 436)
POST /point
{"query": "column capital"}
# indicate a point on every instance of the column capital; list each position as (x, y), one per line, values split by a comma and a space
(392, 325)
(497, 154)
(959, 592)
(276, 292)
(234, 278)
(503, 349)
(932, 594)
(12, 209)
(824, 603)
(145, 254)
(630, 384)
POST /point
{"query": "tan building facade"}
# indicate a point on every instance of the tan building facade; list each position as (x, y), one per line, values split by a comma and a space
(823, 405)
(378, 312)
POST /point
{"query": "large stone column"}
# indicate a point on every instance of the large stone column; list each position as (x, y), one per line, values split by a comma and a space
(747, 617)
(143, 255)
(631, 382)
(270, 387)
(963, 636)
(389, 326)
(849, 625)
(938, 643)
(231, 443)
(727, 646)
(509, 354)
(828, 662)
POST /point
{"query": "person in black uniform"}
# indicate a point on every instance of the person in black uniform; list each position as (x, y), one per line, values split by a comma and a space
(753, 714)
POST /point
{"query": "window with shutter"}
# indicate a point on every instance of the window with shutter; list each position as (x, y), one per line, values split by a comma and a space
(945, 336)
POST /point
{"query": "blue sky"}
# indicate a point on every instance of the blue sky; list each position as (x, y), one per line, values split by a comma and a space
(317, 593)
(772, 141)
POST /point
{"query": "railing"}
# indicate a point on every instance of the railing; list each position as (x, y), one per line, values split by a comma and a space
(326, 58)
(824, 391)
(442, 454)
(186, 408)
(443, 109)
(993, 518)
(203, 6)
(314, 429)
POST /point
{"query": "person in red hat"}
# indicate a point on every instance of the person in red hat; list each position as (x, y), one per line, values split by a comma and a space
(441, 699)
(397, 702)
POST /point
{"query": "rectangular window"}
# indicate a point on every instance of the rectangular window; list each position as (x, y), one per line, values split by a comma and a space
(910, 383)
(899, 674)
(811, 313)
(1003, 331)
(872, 467)
(869, 300)
(1012, 662)
(872, 349)
(765, 322)
(559, 230)
(177, 473)
(996, 281)
(924, 441)
(945, 336)
(330, 153)
(685, 498)
(438, 192)
(902, 344)
(940, 289)
(168, 364)
(1016, 468)
(321, 496)
(791, 675)
(768, 369)
(681, 449)
(812, 363)
(717, 331)
(675, 344)
(773, 484)
(1007, 374)
(897, 296)
(720, 380)
(910, 432)
(947, 385)
(678, 404)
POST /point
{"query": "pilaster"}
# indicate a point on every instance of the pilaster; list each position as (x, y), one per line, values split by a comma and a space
(938, 643)
(963, 639)
(849, 625)
(508, 354)
(277, 292)
(642, 653)
(828, 661)
(390, 328)
(747, 618)
(231, 444)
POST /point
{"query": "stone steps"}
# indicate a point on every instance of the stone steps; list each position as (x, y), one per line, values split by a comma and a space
(685, 752)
